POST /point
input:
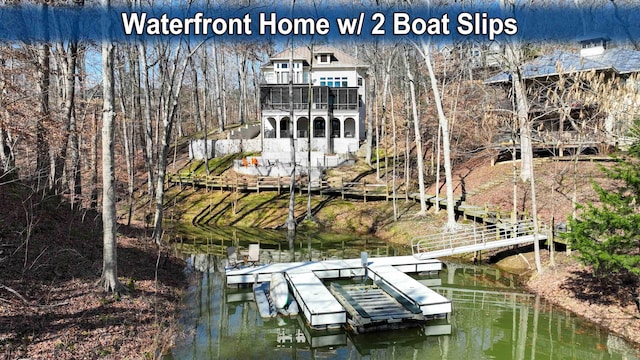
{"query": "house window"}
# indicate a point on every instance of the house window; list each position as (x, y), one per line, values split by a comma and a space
(349, 128)
(270, 128)
(318, 128)
(284, 66)
(284, 128)
(359, 81)
(303, 127)
(324, 58)
(335, 128)
(320, 97)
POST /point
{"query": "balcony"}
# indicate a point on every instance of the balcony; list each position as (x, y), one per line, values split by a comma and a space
(276, 97)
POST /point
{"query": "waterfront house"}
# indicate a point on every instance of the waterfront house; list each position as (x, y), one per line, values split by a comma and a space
(579, 102)
(329, 97)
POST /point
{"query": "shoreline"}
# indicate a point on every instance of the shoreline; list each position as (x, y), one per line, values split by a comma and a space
(571, 286)
(73, 318)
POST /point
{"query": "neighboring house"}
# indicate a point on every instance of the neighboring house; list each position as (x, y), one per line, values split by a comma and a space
(477, 55)
(337, 83)
(578, 102)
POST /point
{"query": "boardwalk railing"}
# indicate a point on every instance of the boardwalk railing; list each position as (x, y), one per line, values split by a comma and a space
(365, 191)
(360, 189)
(469, 239)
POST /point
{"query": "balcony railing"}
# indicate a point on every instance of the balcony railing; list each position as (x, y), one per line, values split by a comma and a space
(284, 106)
(276, 97)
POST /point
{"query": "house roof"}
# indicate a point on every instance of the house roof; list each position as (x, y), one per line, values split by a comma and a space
(621, 61)
(340, 58)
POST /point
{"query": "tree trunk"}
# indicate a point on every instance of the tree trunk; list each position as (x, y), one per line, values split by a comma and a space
(418, 136)
(526, 153)
(173, 86)
(385, 92)
(223, 89)
(109, 277)
(43, 168)
(395, 160)
(205, 97)
(74, 139)
(291, 220)
(309, 103)
(7, 158)
(446, 146)
(369, 118)
(407, 148)
(93, 204)
(127, 136)
(244, 95)
(148, 153)
(218, 87)
(438, 168)
(68, 61)
(196, 98)
(376, 126)
(205, 89)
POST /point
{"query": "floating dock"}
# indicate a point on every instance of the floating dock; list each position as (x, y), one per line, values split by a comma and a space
(395, 300)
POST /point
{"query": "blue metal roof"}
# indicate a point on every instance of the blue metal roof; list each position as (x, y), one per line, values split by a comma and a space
(622, 61)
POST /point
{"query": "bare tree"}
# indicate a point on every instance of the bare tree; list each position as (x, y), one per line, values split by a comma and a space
(425, 51)
(291, 220)
(129, 112)
(417, 135)
(7, 155)
(43, 113)
(109, 279)
(149, 154)
(522, 115)
(173, 66)
(370, 101)
(220, 97)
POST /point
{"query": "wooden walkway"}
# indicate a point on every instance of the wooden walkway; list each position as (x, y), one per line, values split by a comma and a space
(473, 238)
(344, 189)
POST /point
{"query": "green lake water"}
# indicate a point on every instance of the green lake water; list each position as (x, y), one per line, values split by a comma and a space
(492, 317)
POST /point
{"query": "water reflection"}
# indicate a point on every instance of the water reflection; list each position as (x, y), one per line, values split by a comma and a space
(492, 319)
(274, 247)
